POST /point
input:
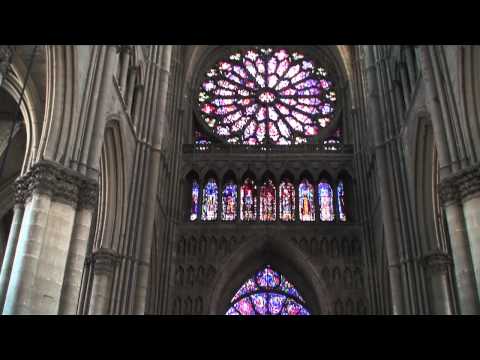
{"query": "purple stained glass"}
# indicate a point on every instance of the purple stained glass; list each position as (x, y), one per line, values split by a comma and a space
(267, 278)
(277, 80)
(232, 311)
(195, 193)
(275, 303)
(341, 202)
(210, 201)
(267, 202)
(248, 201)
(246, 288)
(244, 307)
(229, 202)
(268, 293)
(325, 201)
(260, 302)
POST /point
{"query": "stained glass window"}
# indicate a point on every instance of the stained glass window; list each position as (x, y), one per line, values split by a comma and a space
(194, 208)
(267, 293)
(229, 202)
(268, 210)
(287, 201)
(210, 201)
(325, 201)
(333, 142)
(262, 95)
(201, 139)
(306, 201)
(341, 202)
(248, 200)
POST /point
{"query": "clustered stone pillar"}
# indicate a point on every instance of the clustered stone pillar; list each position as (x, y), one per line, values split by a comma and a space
(453, 183)
(104, 261)
(383, 182)
(460, 195)
(36, 279)
(437, 265)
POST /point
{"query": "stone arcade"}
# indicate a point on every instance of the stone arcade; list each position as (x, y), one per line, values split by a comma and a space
(256, 179)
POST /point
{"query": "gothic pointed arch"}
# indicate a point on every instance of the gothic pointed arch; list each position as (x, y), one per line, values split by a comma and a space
(282, 256)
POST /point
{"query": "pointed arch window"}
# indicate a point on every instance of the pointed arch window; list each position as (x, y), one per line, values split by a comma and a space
(341, 202)
(210, 201)
(248, 200)
(325, 201)
(306, 202)
(229, 201)
(268, 205)
(195, 195)
(287, 200)
(267, 293)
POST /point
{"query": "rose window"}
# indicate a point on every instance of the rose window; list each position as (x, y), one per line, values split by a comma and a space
(266, 95)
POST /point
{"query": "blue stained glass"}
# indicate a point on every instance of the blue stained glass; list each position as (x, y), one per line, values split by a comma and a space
(341, 202)
(267, 278)
(232, 311)
(229, 202)
(244, 307)
(268, 293)
(260, 302)
(325, 201)
(275, 303)
(246, 288)
(195, 193)
(210, 201)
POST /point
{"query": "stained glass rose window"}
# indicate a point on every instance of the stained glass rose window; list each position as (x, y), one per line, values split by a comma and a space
(266, 95)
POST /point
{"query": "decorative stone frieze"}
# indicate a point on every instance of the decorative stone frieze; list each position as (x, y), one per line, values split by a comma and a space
(104, 260)
(61, 184)
(437, 262)
(460, 185)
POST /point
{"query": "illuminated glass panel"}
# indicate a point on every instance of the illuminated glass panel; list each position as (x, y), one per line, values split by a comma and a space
(267, 293)
(195, 194)
(267, 202)
(248, 200)
(341, 202)
(261, 95)
(287, 201)
(325, 201)
(229, 202)
(306, 201)
(210, 201)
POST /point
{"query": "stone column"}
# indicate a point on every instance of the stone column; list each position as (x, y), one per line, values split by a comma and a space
(469, 188)
(12, 242)
(437, 265)
(78, 248)
(464, 271)
(39, 266)
(391, 245)
(103, 267)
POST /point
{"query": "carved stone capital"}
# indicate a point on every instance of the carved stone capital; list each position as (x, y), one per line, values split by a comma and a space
(104, 260)
(437, 262)
(5, 54)
(124, 48)
(61, 184)
(461, 185)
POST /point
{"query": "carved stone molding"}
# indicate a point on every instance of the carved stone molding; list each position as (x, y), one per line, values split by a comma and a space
(5, 54)
(460, 185)
(437, 262)
(60, 183)
(104, 260)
